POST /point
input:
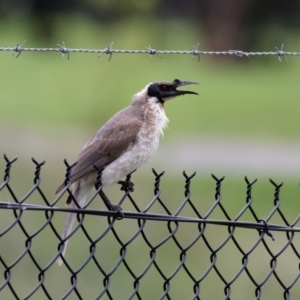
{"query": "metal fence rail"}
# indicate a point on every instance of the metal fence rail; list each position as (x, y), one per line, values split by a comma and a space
(136, 247)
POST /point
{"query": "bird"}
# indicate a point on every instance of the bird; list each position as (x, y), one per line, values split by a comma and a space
(126, 141)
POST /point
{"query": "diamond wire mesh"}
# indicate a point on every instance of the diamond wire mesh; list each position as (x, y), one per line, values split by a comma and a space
(146, 255)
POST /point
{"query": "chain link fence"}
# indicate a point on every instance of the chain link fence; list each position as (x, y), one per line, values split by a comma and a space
(181, 254)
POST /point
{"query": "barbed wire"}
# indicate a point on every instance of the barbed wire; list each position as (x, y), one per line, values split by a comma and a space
(195, 52)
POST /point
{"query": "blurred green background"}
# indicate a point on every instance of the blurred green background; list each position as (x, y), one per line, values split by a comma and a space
(244, 122)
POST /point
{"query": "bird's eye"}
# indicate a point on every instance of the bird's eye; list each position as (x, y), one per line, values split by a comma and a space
(163, 87)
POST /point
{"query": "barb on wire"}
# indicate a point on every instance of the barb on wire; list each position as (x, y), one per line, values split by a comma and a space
(19, 49)
(108, 50)
(196, 52)
(281, 53)
(152, 51)
(64, 50)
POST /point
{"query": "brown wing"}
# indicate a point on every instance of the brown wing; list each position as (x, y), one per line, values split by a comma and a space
(116, 136)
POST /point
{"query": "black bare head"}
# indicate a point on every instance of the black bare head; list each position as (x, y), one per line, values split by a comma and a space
(164, 91)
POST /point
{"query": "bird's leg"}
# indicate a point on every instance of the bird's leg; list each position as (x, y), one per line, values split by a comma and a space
(105, 199)
(127, 185)
(112, 207)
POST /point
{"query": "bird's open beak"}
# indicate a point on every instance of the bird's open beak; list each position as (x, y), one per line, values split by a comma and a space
(178, 83)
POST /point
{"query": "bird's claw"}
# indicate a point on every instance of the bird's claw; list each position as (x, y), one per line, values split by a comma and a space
(118, 209)
(126, 185)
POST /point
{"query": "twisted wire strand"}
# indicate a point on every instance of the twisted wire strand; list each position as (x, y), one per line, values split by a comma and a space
(150, 51)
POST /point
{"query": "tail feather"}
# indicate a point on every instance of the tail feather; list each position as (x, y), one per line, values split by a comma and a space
(80, 194)
(67, 230)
